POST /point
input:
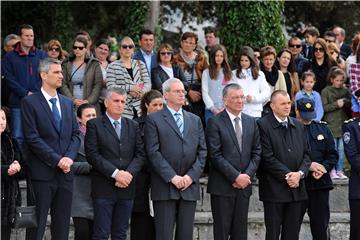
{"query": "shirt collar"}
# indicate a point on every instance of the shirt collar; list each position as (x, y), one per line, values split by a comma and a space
(145, 53)
(279, 120)
(232, 116)
(306, 93)
(47, 96)
(172, 111)
(113, 120)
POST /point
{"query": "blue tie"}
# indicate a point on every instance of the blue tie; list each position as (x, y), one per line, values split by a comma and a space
(56, 113)
(117, 128)
(179, 123)
(284, 124)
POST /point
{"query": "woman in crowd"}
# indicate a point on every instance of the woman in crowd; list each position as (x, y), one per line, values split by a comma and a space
(102, 53)
(354, 79)
(253, 82)
(130, 75)
(10, 167)
(352, 58)
(274, 77)
(82, 207)
(166, 69)
(142, 223)
(54, 50)
(285, 64)
(193, 63)
(82, 76)
(321, 64)
(334, 51)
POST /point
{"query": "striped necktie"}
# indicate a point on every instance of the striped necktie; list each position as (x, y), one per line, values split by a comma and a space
(179, 123)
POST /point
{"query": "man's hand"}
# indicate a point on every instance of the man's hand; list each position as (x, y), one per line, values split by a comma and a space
(242, 181)
(178, 182)
(123, 179)
(293, 179)
(14, 168)
(65, 164)
(195, 96)
(187, 181)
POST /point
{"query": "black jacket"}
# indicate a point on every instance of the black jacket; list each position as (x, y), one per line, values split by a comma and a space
(159, 76)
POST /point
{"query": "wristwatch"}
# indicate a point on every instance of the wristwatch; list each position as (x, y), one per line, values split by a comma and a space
(301, 174)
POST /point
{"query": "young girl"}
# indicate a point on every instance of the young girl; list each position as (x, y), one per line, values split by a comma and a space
(214, 80)
(253, 82)
(308, 80)
(335, 99)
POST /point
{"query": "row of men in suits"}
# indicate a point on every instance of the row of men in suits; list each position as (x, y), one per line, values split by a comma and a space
(176, 149)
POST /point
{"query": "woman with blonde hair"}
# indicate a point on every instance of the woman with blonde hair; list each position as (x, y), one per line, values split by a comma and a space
(54, 50)
(334, 51)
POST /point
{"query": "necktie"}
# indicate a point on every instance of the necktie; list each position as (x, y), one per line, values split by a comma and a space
(238, 131)
(56, 113)
(284, 124)
(117, 128)
(179, 122)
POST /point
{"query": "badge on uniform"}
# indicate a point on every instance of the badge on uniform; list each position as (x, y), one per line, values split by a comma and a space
(346, 137)
(320, 137)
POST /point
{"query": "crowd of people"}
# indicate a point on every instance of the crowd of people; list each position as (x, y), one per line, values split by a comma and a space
(107, 139)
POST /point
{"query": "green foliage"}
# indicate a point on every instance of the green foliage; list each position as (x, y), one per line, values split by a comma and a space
(135, 19)
(250, 23)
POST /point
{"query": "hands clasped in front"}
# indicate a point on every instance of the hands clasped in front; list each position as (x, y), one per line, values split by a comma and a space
(317, 170)
(181, 182)
(14, 168)
(123, 179)
(65, 164)
(293, 179)
(242, 181)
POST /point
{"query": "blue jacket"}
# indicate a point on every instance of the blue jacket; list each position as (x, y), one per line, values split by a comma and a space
(21, 73)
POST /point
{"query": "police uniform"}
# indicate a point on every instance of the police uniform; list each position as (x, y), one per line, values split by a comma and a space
(322, 150)
(351, 130)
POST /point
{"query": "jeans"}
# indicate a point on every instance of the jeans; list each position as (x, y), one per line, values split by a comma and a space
(339, 146)
(16, 126)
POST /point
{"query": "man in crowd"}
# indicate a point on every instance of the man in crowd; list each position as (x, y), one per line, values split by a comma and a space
(351, 129)
(284, 164)
(52, 135)
(323, 158)
(20, 69)
(146, 52)
(295, 47)
(114, 148)
(9, 42)
(330, 37)
(176, 148)
(234, 149)
(345, 49)
(210, 38)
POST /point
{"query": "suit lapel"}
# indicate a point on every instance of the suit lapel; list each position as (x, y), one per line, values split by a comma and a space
(63, 113)
(169, 119)
(109, 127)
(187, 122)
(227, 122)
(47, 109)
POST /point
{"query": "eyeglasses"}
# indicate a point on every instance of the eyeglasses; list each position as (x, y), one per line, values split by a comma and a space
(54, 49)
(103, 49)
(165, 53)
(127, 46)
(295, 45)
(319, 49)
(77, 47)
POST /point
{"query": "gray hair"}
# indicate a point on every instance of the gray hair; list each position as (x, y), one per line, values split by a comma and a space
(342, 31)
(45, 63)
(234, 86)
(10, 37)
(166, 86)
(117, 90)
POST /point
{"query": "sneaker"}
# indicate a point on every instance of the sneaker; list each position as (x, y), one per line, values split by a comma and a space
(341, 175)
(333, 175)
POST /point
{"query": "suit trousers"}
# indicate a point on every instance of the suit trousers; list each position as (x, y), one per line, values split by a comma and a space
(354, 219)
(142, 226)
(170, 212)
(283, 217)
(319, 213)
(56, 195)
(111, 217)
(230, 216)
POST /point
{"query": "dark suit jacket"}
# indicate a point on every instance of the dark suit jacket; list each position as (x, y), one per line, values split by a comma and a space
(283, 151)
(226, 160)
(345, 51)
(46, 146)
(171, 154)
(159, 76)
(138, 56)
(106, 153)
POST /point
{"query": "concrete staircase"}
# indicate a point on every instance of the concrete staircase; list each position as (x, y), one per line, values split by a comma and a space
(203, 229)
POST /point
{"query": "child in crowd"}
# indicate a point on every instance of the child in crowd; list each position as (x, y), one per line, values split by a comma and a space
(310, 34)
(252, 80)
(214, 79)
(308, 80)
(336, 98)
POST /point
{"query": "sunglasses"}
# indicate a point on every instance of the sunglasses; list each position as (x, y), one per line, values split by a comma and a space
(165, 53)
(127, 46)
(54, 49)
(295, 46)
(319, 49)
(77, 47)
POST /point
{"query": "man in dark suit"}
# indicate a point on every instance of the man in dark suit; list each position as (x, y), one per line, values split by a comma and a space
(114, 148)
(284, 164)
(176, 148)
(345, 49)
(351, 129)
(234, 148)
(52, 134)
(146, 53)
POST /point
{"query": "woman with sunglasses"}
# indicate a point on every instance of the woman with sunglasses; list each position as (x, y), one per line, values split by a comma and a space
(130, 75)
(321, 64)
(334, 51)
(54, 50)
(166, 69)
(82, 76)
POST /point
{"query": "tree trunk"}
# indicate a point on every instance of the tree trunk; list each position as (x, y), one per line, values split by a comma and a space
(153, 15)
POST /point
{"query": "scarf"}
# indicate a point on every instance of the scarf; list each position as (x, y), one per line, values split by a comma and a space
(271, 77)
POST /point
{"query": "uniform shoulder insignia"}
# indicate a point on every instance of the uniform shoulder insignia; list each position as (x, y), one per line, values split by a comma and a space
(323, 122)
(349, 120)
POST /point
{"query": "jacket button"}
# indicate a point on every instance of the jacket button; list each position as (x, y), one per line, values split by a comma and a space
(289, 150)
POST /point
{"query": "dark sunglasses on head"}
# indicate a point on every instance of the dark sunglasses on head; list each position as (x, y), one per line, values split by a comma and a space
(54, 49)
(329, 41)
(76, 47)
(165, 53)
(319, 49)
(295, 46)
(127, 46)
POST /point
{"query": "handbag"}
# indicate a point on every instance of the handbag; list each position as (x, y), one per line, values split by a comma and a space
(25, 216)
